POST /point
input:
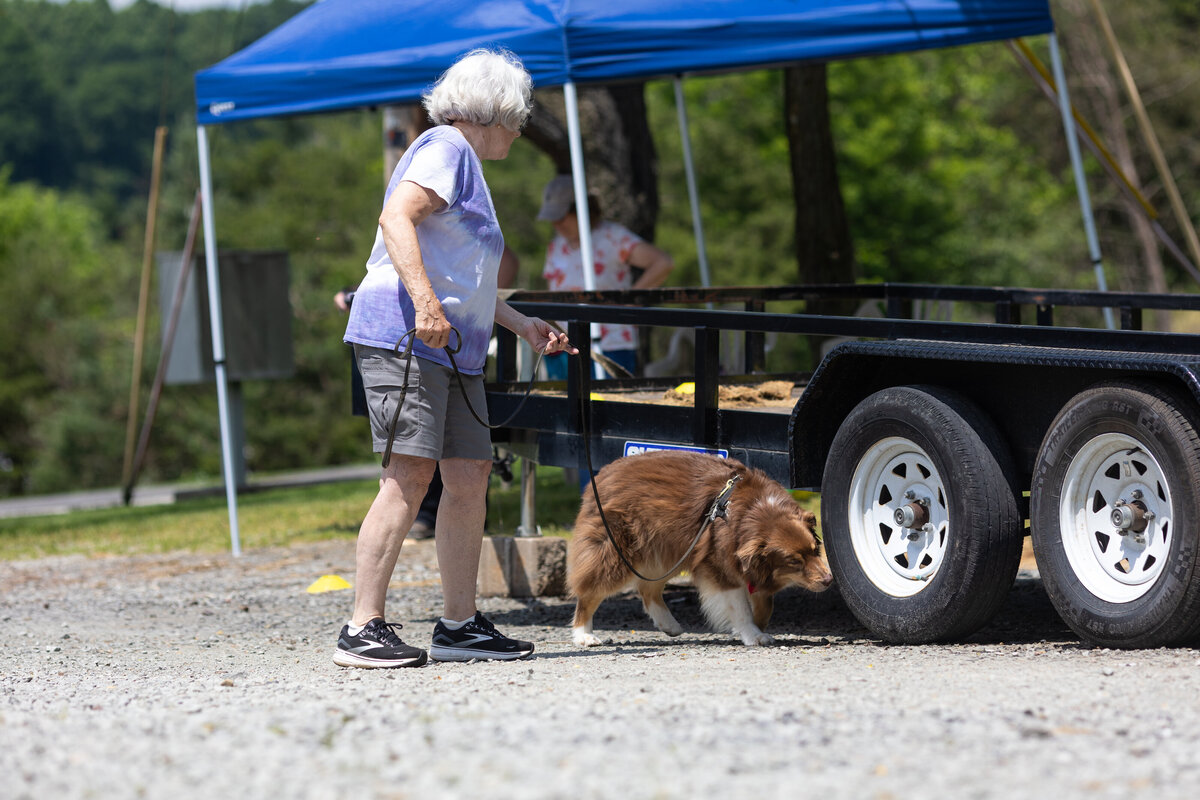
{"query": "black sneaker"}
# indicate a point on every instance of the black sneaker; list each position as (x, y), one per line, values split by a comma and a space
(376, 646)
(476, 639)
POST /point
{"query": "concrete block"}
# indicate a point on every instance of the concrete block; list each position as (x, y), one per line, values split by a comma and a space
(523, 566)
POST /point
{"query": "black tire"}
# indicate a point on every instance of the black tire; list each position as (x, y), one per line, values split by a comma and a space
(971, 556)
(1136, 442)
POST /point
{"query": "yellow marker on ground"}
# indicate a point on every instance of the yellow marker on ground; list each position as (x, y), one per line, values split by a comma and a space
(328, 583)
(688, 387)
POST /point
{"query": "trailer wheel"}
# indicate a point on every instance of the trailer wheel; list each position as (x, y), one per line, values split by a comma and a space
(921, 522)
(1114, 514)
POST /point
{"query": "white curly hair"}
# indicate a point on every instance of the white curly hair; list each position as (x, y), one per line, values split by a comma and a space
(484, 87)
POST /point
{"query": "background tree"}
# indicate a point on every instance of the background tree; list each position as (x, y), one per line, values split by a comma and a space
(619, 154)
(824, 249)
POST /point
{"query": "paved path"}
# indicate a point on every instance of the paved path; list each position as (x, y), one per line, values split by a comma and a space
(38, 505)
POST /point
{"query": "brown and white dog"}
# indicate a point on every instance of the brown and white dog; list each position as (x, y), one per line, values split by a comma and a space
(655, 503)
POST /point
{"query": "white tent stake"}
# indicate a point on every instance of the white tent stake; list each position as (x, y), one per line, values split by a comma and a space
(217, 327)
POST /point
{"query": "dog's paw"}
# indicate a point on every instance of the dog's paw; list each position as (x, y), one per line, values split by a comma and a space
(672, 628)
(584, 639)
(757, 639)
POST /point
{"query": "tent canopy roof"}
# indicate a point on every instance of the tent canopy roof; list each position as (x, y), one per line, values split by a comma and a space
(340, 54)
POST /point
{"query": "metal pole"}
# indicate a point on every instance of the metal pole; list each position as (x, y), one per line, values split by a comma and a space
(575, 138)
(528, 493)
(1085, 201)
(1041, 76)
(689, 169)
(578, 178)
(218, 336)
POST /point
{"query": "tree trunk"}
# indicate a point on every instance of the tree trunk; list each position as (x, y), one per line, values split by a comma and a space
(618, 151)
(824, 251)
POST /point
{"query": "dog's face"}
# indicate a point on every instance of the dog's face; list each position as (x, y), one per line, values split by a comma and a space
(781, 548)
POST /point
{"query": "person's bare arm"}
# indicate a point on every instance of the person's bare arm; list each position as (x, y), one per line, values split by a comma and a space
(408, 206)
(656, 263)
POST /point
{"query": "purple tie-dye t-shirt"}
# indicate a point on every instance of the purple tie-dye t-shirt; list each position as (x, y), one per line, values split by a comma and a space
(461, 246)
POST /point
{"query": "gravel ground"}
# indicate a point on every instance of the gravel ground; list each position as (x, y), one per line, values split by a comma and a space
(204, 676)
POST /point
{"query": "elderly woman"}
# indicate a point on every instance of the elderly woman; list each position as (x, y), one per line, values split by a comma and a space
(433, 271)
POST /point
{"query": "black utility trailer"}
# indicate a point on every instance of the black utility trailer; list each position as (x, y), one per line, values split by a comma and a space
(930, 442)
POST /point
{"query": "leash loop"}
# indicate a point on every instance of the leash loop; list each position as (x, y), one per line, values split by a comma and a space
(722, 502)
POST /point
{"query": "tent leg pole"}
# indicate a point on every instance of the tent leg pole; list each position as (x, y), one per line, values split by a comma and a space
(1085, 201)
(575, 139)
(689, 169)
(218, 336)
(582, 212)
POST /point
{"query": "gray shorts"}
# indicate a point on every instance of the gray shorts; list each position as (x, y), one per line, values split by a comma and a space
(435, 421)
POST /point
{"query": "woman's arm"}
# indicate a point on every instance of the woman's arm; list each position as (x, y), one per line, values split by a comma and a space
(656, 263)
(408, 207)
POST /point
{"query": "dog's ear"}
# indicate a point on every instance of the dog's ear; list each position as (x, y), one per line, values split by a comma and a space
(750, 554)
(809, 521)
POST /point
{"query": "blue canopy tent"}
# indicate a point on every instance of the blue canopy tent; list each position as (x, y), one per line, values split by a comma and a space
(341, 54)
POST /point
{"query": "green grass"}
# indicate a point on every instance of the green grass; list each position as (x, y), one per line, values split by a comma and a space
(266, 519)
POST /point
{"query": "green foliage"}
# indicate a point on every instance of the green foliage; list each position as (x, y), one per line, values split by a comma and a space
(60, 328)
(934, 189)
(741, 155)
(27, 105)
(99, 81)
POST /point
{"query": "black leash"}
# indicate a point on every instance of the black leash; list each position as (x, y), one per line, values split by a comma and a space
(411, 335)
(717, 509)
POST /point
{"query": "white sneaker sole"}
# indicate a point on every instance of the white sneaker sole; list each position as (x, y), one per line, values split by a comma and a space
(442, 653)
(345, 659)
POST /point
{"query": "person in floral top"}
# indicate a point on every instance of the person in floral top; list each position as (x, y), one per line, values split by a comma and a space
(616, 250)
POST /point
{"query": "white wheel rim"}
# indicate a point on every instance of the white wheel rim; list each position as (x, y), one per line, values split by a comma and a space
(1110, 469)
(899, 561)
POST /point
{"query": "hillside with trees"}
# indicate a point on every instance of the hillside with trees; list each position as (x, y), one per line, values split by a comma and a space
(952, 168)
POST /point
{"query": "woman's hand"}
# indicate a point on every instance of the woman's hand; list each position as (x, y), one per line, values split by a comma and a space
(430, 321)
(543, 338)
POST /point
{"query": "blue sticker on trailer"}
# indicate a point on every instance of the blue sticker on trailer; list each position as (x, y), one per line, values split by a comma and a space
(637, 448)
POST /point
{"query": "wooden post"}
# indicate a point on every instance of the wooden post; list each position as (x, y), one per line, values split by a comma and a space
(1139, 110)
(164, 360)
(139, 336)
